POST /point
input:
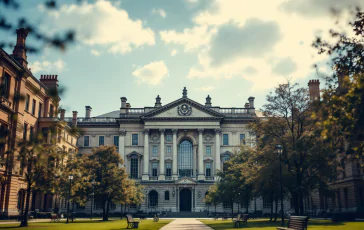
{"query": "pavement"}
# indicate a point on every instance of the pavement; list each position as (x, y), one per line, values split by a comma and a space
(186, 223)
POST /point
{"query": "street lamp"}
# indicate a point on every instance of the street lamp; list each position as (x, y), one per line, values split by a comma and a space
(279, 149)
(239, 203)
(70, 178)
(93, 195)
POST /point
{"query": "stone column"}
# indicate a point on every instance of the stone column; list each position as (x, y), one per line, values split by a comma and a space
(217, 150)
(161, 160)
(146, 155)
(201, 175)
(122, 133)
(174, 151)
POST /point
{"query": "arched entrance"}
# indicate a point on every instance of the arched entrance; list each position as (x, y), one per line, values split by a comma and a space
(185, 200)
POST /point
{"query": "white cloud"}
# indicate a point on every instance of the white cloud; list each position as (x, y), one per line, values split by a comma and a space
(174, 52)
(95, 52)
(160, 12)
(47, 66)
(102, 23)
(152, 73)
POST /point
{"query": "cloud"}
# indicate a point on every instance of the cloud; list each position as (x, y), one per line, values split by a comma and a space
(160, 12)
(254, 39)
(284, 67)
(174, 52)
(95, 52)
(152, 73)
(102, 23)
(47, 66)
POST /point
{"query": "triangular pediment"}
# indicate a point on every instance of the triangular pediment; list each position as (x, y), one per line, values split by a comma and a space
(185, 180)
(183, 108)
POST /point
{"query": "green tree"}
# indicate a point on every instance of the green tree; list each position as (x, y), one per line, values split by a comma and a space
(213, 197)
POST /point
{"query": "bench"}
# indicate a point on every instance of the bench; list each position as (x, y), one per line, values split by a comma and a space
(296, 223)
(55, 217)
(131, 222)
(241, 220)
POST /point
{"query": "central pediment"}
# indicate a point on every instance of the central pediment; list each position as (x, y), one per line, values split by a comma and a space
(183, 108)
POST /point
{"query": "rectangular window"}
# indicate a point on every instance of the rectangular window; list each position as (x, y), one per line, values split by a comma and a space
(116, 140)
(168, 137)
(208, 169)
(168, 150)
(27, 99)
(134, 169)
(225, 139)
(31, 131)
(168, 169)
(51, 111)
(86, 141)
(40, 107)
(208, 150)
(5, 86)
(25, 131)
(154, 169)
(101, 140)
(242, 139)
(134, 139)
(155, 150)
(33, 107)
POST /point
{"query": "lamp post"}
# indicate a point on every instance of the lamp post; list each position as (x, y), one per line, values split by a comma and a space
(70, 178)
(239, 203)
(279, 149)
(93, 195)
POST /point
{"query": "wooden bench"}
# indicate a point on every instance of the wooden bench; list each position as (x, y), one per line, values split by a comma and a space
(296, 223)
(131, 222)
(241, 220)
(55, 217)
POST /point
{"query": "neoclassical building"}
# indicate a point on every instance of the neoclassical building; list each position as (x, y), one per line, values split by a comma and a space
(173, 150)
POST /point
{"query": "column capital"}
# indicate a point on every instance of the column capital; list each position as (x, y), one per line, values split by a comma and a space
(146, 131)
(200, 131)
(217, 131)
(122, 132)
(174, 131)
(162, 131)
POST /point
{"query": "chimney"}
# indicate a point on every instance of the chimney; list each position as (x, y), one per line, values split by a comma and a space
(314, 90)
(74, 118)
(127, 105)
(208, 101)
(158, 102)
(246, 105)
(123, 102)
(88, 112)
(251, 105)
(62, 113)
(50, 81)
(20, 51)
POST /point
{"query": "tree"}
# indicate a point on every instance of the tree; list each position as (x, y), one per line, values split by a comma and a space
(103, 166)
(213, 197)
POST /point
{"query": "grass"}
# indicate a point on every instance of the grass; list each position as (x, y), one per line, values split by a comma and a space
(266, 225)
(89, 225)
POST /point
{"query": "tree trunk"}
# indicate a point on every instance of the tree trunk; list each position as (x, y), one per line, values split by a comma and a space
(107, 209)
(295, 203)
(247, 206)
(271, 206)
(232, 207)
(24, 222)
(301, 204)
(103, 209)
(276, 214)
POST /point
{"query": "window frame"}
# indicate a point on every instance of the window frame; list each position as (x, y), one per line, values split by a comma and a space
(103, 140)
(166, 195)
(206, 152)
(134, 172)
(154, 169)
(208, 170)
(132, 139)
(84, 141)
(168, 169)
(34, 104)
(25, 130)
(40, 107)
(27, 100)
(155, 153)
(169, 137)
(117, 142)
(242, 139)
(223, 139)
(168, 147)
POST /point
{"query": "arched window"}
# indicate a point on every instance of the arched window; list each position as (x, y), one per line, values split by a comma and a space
(166, 195)
(185, 159)
(134, 167)
(153, 199)
(225, 158)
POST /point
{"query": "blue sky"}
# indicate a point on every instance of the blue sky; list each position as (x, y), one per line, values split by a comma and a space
(229, 49)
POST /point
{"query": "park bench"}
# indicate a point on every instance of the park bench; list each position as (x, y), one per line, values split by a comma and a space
(296, 223)
(55, 217)
(239, 220)
(131, 222)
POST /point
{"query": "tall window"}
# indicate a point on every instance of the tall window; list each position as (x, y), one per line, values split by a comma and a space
(134, 138)
(33, 107)
(116, 140)
(154, 169)
(208, 150)
(166, 195)
(155, 150)
(27, 99)
(168, 137)
(40, 107)
(185, 159)
(101, 140)
(153, 199)
(134, 167)
(225, 158)
(51, 111)
(5, 86)
(25, 131)
(31, 132)
(168, 150)
(168, 169)
(86, 141)
(242, 139)
(225, 139)
(208, 169)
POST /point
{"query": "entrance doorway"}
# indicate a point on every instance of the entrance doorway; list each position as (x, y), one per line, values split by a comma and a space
(185, 200)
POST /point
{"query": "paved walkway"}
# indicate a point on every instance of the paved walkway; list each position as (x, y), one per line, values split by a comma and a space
(186, 223)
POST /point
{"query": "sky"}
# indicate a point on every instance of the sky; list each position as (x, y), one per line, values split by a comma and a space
(228, 49)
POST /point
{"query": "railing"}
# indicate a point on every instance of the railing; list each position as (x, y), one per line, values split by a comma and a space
(234, 110)
(48, 119)
(153, 178)
(5, 102)
(168, 178)
(93, 119)
(135, 111)
(209, 178)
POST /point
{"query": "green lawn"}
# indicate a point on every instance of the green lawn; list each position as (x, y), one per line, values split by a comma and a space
(90, 225)
(266, 225)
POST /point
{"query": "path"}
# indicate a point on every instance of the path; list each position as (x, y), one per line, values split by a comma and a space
(186, 223)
